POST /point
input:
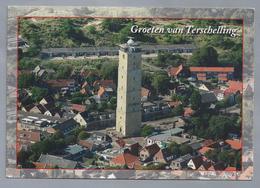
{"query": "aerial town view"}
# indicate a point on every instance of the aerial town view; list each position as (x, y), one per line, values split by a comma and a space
(98, 93)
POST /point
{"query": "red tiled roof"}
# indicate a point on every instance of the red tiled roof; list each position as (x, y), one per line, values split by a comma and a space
(126, 159)
(174, 71)
(234, 86)
(230, 168)
(78, 107)
(235, 144)
(204, 150)
(30, 136)
(212, 69)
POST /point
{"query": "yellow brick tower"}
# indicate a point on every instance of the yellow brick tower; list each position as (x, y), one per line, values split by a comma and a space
(128, 112)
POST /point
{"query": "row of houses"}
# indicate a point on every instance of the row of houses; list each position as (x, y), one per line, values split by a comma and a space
(203, 73)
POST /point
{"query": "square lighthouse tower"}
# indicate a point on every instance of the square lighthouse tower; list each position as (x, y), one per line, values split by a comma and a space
(128, 112)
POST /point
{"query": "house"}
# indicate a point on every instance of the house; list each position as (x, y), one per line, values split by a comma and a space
(163, 156)
(38, 109)
(126, 159)
(46, 100)
(173, 72)
(195, 162)
(78, 108)
(65, 127)
(234, 87)
(54, 112)
(234, 144)
(55, 161)
(164, 137)
(26, 138)
(75, 152)
(135, 148)
(83, 118)
(145, 94)
(205, 165)
(181, 162)
(96, 121)
(208, 97)
(41, 109)
(205, 73)
(148, 152)
(27, 108)
(153, 110)
(96, 142)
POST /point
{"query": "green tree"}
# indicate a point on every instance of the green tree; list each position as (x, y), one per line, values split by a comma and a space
(174, 149)
(219, 126)
(195, 100)
(27, 63)
(186, 149)
(25, 80)
(23, 159)
(212, 155)
(146, 130)
(205, 56)
(178, 111)
(83, 135)
(109, 71)
(38, 93)
(64, 71)
(161, 82)
(114, 25)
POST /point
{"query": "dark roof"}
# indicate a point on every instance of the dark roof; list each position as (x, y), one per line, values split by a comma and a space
(152, 149)
(49, 99)
(197, 161)
(53, 160)
(86, 116)
(66, 125)
(208, 97)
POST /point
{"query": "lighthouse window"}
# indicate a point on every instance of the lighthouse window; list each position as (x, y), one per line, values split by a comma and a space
(123, 56)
